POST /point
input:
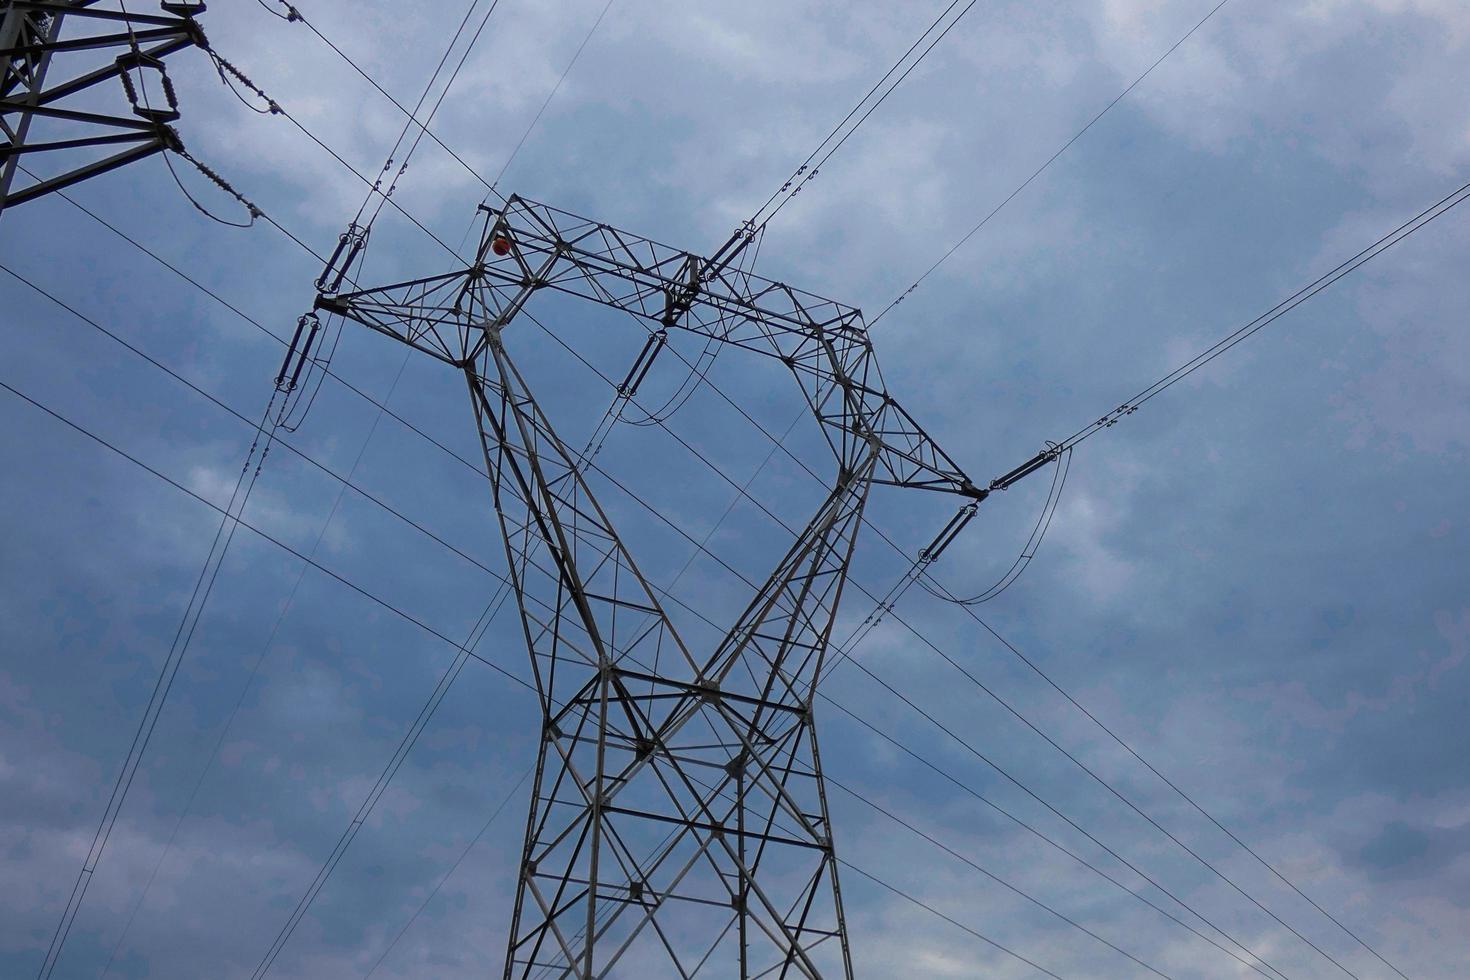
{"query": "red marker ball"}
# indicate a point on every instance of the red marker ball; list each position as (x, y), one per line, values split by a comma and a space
(500, 245)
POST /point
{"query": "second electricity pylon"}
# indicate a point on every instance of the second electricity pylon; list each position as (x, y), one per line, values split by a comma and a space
(678, 808)
(122, 45)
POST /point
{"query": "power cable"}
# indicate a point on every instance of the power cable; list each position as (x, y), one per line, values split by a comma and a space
(294, 14)
(474, 39)
(723, 794)
(1344, 268)
(1042, 169)
(260, 429)
(255, 665)
(223, 66)
(188, 623)
(277, 109)
(262, 534)
(840, 133)
(540, 111)
(1186, 797)
(370, 801)
(887, 603)
(402, 517)
(844, 650)
(902, 746)
(148, 723)
(1116, 793)
(1024, 559)
(491, 188)
(160, 475)
(448, 874)
(952, 921)
(1404, 230)
(398, 758)
(1063, 463)
(428, 87)
(971, 863)
(426, 713)
(262, 328)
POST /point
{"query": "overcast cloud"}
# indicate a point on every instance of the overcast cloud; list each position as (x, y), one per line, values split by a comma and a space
(1258, 580)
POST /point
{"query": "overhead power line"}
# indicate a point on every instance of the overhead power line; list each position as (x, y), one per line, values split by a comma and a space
(346, 483)
(453, 867)
(920, 903)
(260, 532)
(115, 449)
(337, 853)
(808, 169)
(1043, 168)
(972, 864)
(1345, 268)
(844, 650)
(1291, 302)
(204, 587)
(294, 15)
(277, 108)
(1409, 230)
(541, 109)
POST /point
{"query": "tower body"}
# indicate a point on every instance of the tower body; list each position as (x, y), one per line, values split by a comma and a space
(678, 823)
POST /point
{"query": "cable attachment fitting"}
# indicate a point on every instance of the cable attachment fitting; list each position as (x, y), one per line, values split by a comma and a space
(349, 245)
(930, 553)
(641, 366)
(299, 353)
(1005, 480)
(1115, 416)
(137, 60)
(678, 301)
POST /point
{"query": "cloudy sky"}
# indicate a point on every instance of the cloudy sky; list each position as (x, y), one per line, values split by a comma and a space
(1257, 581)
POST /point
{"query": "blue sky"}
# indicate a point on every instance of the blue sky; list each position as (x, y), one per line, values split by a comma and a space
(1257, 580)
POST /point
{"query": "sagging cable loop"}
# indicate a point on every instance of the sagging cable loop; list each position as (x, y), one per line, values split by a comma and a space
(178, 147)
(1053, 453)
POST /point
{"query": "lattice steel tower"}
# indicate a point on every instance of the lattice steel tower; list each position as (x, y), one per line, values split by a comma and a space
(104, 47)
(678, 814)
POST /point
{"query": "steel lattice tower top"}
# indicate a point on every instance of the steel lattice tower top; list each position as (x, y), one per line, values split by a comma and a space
(678, 821)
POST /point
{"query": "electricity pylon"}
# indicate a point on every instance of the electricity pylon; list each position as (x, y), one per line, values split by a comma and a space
(678, 806)
(122, 45)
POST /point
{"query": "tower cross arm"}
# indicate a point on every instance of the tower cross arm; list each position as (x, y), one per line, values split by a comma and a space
(824, 342)
(526, 247)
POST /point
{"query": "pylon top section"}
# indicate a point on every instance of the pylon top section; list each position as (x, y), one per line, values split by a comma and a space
(526, 247)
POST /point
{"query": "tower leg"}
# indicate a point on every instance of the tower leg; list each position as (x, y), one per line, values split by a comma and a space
(667, 807)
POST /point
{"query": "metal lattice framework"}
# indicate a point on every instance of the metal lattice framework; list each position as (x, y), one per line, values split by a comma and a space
(121, 45)
(678, 820)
